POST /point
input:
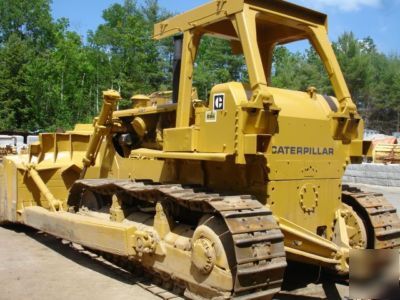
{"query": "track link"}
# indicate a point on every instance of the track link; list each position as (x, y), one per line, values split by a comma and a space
(256, 252)
(384, 229)
(155, 283)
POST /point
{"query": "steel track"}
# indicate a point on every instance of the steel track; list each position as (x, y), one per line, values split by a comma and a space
(256, 252)
(378, 213)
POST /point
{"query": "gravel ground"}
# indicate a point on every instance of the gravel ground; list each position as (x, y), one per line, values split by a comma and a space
(38, 266)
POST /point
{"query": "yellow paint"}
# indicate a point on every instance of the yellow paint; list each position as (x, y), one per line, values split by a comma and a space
(287, 148)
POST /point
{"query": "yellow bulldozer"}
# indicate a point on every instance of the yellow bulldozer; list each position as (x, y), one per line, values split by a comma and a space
(214, 196)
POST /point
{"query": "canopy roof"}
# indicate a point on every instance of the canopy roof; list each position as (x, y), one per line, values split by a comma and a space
(284, 20)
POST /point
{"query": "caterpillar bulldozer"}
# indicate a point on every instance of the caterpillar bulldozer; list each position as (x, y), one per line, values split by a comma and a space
(213, 196)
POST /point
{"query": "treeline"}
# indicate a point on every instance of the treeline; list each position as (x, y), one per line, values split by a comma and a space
(50, 78)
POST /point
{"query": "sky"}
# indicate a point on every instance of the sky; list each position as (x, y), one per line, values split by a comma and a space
(379, 19)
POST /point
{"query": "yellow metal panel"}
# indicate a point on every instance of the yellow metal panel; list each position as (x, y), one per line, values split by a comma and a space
(356, 148)
(145, 110)
(309, 203)
(138, 168)
(289, 149)
(218, 10)
(218, 133)
(95, 233)
(246, 24)
(288, 13)
(190, 42)
(82, 128)
(250, 143)
(180, 139)
(148, 153)
(203, 15)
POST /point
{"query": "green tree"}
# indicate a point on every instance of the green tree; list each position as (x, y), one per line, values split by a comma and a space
(26, 33)
(126, 37)
(14, 57)
(286, 69)
(50, 78)
(216, 63)
(27, 19)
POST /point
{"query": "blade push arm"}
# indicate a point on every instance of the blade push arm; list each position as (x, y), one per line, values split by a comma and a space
(110, 101)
